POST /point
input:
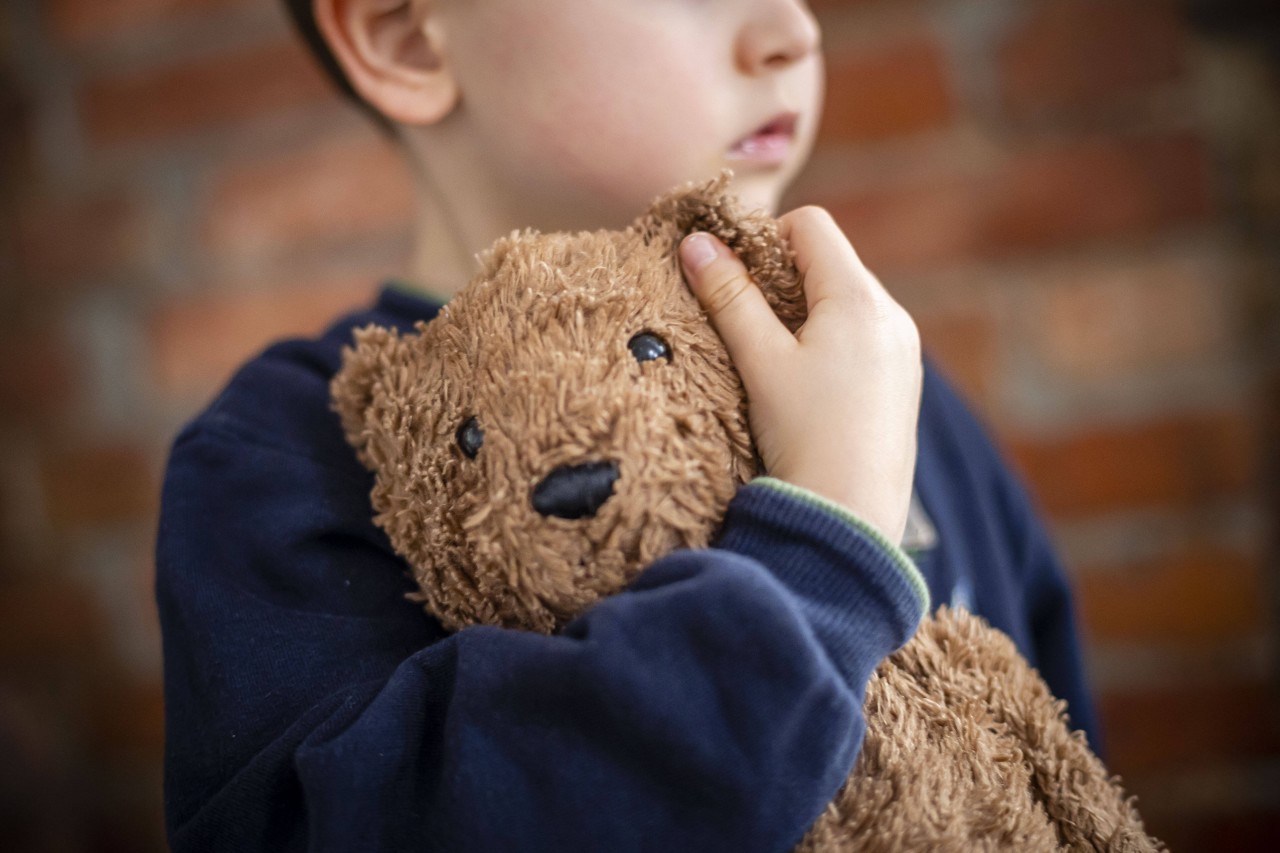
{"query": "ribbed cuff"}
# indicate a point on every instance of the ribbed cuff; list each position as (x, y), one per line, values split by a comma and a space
(900, 557)
(862, 596)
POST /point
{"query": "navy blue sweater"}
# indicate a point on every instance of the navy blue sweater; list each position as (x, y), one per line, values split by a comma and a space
(716, 704)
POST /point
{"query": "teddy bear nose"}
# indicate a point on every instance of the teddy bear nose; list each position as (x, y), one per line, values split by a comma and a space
(575, 491)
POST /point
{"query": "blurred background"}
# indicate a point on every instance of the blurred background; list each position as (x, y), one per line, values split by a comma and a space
(1078, 200)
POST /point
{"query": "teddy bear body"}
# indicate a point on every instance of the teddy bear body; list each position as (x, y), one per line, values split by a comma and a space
(571, 416)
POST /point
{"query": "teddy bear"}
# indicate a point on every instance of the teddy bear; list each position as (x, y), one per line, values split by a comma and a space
(571, 416)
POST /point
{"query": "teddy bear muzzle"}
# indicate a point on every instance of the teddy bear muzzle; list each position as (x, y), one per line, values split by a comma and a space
(575, 491)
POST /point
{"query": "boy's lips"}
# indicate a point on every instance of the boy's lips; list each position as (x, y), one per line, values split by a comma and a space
(768, 144)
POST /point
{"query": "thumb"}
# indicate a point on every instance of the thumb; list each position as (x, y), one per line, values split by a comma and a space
(737, 308)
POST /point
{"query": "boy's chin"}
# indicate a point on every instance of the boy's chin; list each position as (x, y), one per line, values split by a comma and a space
(757, 196)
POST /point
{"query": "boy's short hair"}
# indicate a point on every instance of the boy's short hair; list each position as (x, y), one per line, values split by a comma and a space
(304, 20)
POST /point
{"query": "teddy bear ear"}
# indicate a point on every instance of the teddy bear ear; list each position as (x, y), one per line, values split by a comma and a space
(711, 206)
(380, 357)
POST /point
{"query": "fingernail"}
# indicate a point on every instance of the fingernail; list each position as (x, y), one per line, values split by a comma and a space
(697, 251)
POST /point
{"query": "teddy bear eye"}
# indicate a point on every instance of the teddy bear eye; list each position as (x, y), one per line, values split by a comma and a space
(470, 437)
(647, 346)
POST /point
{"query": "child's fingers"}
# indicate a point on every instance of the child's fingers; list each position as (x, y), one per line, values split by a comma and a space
(738, 310)
(825, 257)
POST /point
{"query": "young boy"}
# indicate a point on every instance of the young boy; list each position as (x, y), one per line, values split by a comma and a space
(718, 703)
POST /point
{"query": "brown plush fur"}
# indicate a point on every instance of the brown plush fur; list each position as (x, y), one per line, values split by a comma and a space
(965, 747)
(536, 349)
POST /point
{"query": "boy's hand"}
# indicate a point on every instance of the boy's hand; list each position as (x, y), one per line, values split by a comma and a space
(833, 408)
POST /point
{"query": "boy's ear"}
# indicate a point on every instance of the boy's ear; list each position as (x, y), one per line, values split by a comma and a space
(711, 206)
(393, 53)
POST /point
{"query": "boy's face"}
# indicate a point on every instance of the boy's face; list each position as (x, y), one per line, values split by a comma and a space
(587, 109)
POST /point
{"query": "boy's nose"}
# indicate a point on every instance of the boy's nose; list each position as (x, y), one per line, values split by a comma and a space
(782, 33)
(575, 491)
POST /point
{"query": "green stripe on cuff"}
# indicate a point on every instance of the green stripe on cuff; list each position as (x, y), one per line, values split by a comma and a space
(900, 558)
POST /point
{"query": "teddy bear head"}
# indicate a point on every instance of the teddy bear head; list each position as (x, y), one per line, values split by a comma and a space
(568, 417)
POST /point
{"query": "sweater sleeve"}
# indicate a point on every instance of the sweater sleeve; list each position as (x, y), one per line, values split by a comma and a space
(992, 524)
(715, 704)
(1050, 604)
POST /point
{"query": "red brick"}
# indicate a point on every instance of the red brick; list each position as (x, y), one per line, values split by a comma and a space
(196, 343)
(74, 714)
(128, 718)
(1098, 189)
(71, 240)
(339, 189)
(1178, 462)
(200, 94)
(911, 227)
(841, 4)
(139, 620)
(1203, 595)
(895, 91)
(37, 785)
(98, 484)
(1129, 317)
(1091, 190)
(17, 133)
(1071, 53)
(46, 618)
(36, 373)
(79, 21)
(964, 347)
(1180, 728)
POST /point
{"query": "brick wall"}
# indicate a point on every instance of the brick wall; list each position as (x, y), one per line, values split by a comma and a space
(1079, 200)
